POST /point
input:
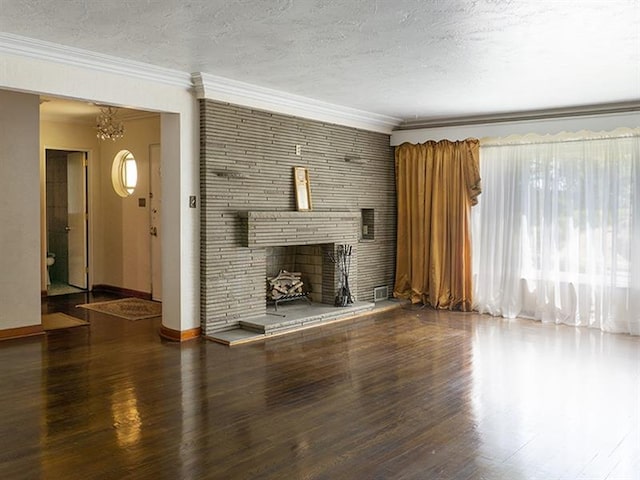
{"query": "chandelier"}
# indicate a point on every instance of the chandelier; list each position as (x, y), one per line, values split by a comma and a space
(107, 125)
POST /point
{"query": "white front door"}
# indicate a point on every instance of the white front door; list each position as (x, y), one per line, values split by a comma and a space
(155, 197)
(77, 219)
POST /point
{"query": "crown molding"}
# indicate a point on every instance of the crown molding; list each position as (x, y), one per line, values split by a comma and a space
(206, 85)
(75, 57)
(600, 119)
(223, 89)
(526, 116)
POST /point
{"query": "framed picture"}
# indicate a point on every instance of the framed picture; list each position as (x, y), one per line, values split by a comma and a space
(303, 188)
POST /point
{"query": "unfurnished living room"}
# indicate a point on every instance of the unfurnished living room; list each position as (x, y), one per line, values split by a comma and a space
(304, 239)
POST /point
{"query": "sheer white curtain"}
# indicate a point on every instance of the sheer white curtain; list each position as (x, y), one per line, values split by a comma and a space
(556, 233)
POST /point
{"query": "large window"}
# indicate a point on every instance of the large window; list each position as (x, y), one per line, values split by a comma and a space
(557, 231)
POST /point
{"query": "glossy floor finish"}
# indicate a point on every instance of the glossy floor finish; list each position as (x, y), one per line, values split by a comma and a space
(405, 394)
(62, 289)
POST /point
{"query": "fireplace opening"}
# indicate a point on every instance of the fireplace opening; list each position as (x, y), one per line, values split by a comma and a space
(300, 269)
(286, 287)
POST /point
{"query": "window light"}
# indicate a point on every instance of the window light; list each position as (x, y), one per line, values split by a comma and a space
(124, 173)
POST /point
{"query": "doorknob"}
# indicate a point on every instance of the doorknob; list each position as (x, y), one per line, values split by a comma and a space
(153, 231)
(67, 228)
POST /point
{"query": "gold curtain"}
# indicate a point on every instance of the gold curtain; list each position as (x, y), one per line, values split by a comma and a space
(437, 183)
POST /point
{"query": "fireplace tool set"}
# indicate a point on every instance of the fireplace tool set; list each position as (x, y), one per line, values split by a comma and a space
(342, 258)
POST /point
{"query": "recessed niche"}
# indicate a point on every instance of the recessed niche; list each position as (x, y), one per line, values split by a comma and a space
(368, 220)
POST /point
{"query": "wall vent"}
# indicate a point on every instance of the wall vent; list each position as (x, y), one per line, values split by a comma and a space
(380, 293)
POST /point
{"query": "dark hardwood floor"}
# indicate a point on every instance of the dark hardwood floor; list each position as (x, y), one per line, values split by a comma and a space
(407, 394)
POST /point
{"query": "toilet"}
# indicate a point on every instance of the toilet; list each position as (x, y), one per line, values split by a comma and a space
(51, 259)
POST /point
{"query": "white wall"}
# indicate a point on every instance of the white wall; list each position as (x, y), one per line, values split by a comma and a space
(181, 275)
(122, 246)
(605, 122)
(180, 223)
(19, 211)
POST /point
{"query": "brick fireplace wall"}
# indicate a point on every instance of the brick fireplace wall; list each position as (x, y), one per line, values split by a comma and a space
(247, 158)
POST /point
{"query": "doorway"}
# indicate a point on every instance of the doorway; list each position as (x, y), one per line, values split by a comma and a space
(67, 221)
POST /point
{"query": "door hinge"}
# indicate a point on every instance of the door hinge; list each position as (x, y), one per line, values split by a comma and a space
(86, 269)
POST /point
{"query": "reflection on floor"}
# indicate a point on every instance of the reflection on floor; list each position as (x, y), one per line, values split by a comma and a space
(412, 393)
(62, 289)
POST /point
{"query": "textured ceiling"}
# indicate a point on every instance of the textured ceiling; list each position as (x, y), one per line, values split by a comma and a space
(410, 59)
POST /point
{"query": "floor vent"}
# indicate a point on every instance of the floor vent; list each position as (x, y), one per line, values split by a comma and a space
(380, 293)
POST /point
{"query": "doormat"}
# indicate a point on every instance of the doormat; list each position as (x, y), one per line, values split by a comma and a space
(54, 321)
(129, 308)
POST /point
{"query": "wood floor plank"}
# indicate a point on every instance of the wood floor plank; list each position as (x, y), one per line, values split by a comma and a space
(407, 394)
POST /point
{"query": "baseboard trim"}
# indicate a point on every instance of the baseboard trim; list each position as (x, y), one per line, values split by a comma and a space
(122, 291)
(179, 335)
(20, 332)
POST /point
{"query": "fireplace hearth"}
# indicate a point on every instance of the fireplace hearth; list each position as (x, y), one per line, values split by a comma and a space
(296, 242)
(299, 242)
